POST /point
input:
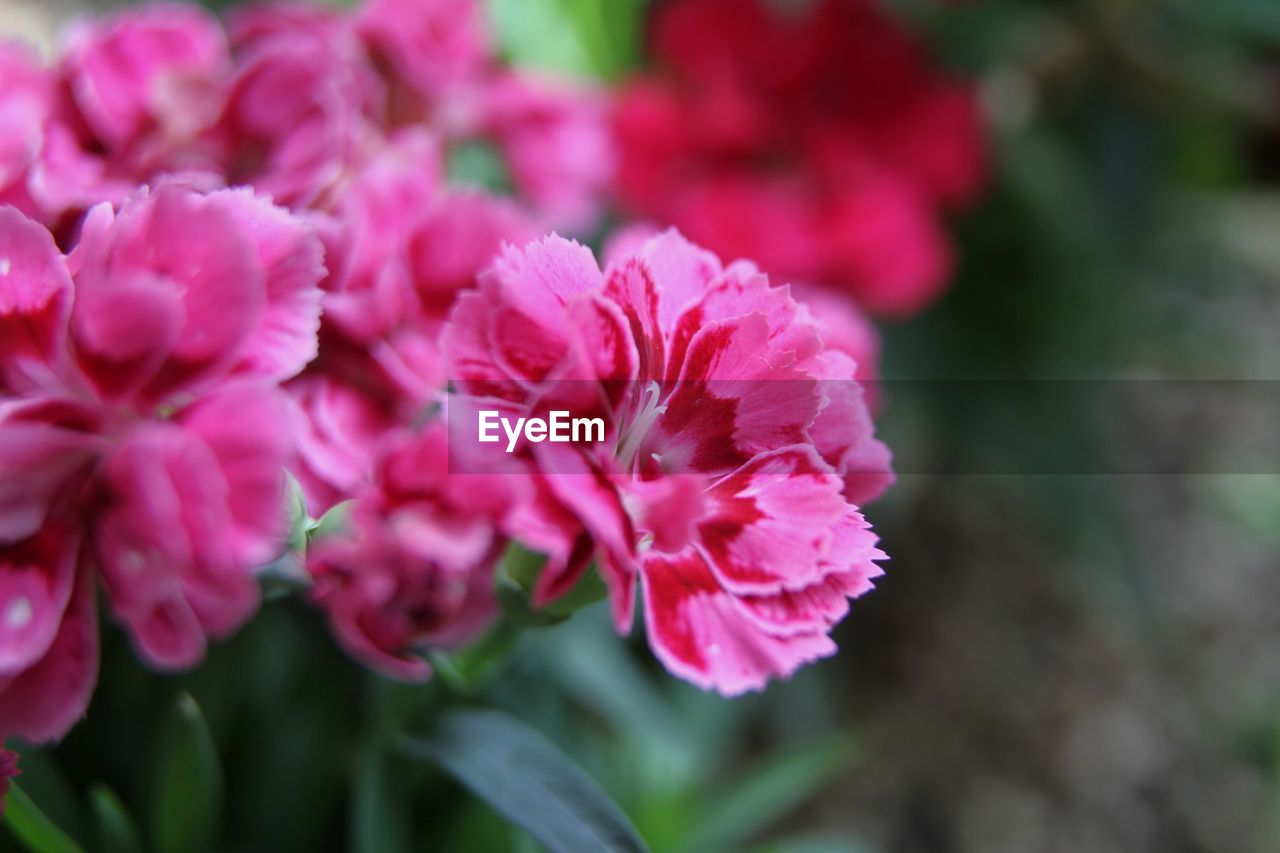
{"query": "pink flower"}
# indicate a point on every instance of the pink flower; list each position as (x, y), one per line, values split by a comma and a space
(732, 439)
(556, 144)
(415, 567)
(142, 435)
(843, 327)
(764, 138)
(127, 102)
(152, 69)
(180, 290)
(303, 107)
(429, 44)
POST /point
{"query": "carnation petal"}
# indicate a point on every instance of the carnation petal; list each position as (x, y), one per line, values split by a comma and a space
(42, 702)
(699, 633)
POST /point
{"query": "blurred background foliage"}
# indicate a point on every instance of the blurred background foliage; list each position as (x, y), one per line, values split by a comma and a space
(1052, 663)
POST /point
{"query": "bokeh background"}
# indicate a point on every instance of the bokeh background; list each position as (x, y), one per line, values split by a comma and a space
(1084, 660)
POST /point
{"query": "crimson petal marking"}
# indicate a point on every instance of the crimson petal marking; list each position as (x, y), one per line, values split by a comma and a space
(699, 633)
(850, 571)
(587, 491)
(735, 398)
(604, 340)
(35, 299)
(772, 522)
(631, 287)
(739, 291)
(469, 355)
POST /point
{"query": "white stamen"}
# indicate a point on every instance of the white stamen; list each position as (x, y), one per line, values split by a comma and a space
(635, 432)
(5, 266)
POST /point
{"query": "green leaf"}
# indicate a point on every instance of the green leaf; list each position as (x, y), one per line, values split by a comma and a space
(379, 822)
(31, 828)
(577, 37)
(478, 164)
(332, 523)
(295, 504)
(769, 791)
(518, 576)
(116, 830)
(525, 777)
(468, 668)
(187, 794)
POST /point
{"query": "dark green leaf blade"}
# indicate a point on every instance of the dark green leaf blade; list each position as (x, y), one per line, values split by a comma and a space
(31, 828)
(116, 830)
(187, 793)
(770, 790)
(526, 778)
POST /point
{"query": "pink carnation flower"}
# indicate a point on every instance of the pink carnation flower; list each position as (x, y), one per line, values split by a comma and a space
(142, 434)
(128, 100)
(415, 567)
(303, 106)
(152, 69)
(735, 442)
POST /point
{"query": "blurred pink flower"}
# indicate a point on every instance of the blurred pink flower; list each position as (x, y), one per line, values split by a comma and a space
(293, 99)
(414, 568)
(732, 435)
(404, 247)
(128, 100)
(429, 44)
(303, 106)
(763, 138)
(181, 290)
(142, 435)
(154, 69)
(555, 140)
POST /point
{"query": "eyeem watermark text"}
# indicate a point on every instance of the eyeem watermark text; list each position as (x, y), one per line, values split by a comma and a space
(559, 427)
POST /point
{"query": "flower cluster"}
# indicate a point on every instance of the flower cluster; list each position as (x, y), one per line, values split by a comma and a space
(142, 431)
(293, 99)
(738, 446)
(814, 137)
(228, 252)
(144, 425)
